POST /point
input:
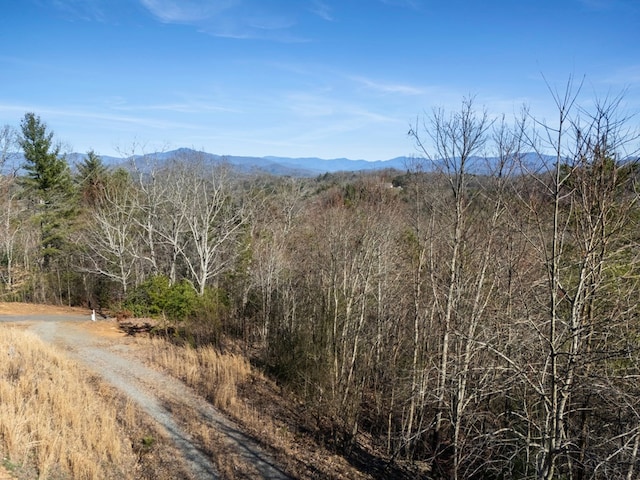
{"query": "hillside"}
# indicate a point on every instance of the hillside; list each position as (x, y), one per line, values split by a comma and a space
(209, 415)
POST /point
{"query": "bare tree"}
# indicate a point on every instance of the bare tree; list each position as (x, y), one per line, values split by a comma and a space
(212, 219)
(456, 141)
(582, 204)
(13, 223)
(9, 146)
(147, 173)
(110, 235)
(273, 215)
(171, 224)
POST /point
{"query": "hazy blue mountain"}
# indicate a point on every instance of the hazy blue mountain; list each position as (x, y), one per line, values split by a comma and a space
(296, 167)
(319, 165)
(304, 167)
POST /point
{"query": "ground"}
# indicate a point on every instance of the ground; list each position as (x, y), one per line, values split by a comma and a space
(104, 349)
(34, 309)
(274, 438)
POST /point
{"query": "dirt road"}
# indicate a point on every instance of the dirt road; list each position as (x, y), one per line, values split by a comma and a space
(103, 349)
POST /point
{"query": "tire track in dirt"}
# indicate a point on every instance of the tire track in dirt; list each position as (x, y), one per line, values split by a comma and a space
(131, 379)
(153, 391)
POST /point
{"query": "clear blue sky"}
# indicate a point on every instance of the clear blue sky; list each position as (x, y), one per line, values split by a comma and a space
(324, 78)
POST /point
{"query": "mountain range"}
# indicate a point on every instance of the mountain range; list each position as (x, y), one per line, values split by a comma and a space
(284, 166)
(313, 166)
(280, 166)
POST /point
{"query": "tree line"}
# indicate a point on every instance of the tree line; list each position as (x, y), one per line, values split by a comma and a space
(476, 314)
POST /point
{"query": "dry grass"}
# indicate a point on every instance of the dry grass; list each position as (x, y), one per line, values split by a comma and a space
(213, 374)
(52, 420)
(225, 380)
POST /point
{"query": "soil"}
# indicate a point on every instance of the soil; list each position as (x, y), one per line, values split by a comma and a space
(103, 348)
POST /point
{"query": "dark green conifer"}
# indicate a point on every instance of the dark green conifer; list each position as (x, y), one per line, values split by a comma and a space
(91, 178)
(47, 183)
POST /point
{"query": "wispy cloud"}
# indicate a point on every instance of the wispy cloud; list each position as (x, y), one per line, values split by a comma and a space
(240, 19)
(187, 11)
(323, 104)
(309, 105)
(191, 107)
(382, 87)
(322, 10)
(92, 115)
(625, 77)
(103, 11)
(413, 4)
(88, 10)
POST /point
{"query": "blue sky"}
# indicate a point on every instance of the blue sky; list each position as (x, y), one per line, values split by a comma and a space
(322, 78)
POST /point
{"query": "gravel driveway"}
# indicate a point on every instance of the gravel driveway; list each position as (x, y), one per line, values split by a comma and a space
(115, 362)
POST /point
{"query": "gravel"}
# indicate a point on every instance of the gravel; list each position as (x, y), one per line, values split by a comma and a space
(151, 390)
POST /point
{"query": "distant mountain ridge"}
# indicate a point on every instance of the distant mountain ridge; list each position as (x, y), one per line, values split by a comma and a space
(286, 166)
(281, 166)
(309, 166)
(313, 166)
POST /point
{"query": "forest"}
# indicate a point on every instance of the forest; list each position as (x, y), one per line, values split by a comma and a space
(476, 313)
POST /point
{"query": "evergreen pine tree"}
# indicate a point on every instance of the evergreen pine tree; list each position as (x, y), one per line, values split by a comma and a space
(91, 177)
(48, 183)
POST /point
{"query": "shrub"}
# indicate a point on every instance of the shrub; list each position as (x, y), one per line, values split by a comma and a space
(157, 297)
(208, 315)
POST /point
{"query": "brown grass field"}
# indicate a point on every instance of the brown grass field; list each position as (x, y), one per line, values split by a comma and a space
(54, 421)
(58, 421)
(229, 382)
